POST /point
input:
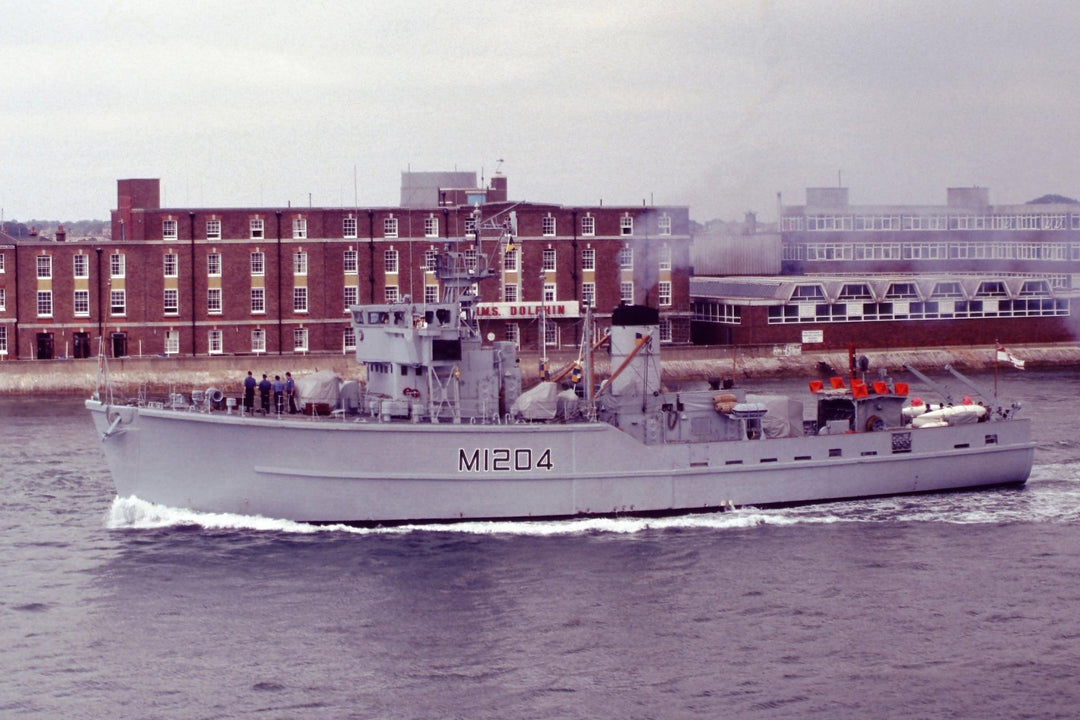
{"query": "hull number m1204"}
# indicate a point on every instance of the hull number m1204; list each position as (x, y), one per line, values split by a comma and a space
(503, 460)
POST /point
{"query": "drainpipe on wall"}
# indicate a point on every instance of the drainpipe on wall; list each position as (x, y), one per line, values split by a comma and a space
(18, 317)
(194, 346)
(371, 254)
(100, 305)
(280, 310)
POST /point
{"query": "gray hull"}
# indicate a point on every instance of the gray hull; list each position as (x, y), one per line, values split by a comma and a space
(373, 472)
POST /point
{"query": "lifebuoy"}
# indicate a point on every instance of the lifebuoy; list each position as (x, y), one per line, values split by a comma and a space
(874, 424)
(411, 392)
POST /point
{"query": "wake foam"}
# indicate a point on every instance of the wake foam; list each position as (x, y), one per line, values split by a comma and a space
(1052, 495)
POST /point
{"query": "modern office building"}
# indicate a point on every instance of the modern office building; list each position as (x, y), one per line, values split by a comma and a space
(962, 273)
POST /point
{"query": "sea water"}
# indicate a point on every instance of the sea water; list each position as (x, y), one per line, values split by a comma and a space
(952, 605)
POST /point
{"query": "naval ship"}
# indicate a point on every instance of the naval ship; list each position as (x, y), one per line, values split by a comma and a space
(443, 431)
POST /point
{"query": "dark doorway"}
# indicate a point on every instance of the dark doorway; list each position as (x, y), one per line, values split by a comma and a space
(119, 344)
(81, 342)
(44, 346)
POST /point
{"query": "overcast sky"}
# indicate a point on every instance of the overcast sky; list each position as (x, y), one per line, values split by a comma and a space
(714, 104)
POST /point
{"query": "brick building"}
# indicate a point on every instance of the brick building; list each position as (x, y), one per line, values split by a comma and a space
(199, 281)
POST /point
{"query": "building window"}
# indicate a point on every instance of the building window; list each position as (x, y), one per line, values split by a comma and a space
(172, 301)
(472, 260)
(117, 266)
(349, 340)
(431, 294)
(3, 299)
(470, 227)
(664, 293)
(626, 257)
(665, 331)
(172, 342)
(588, 259)
(213, 264)
(547, 226)
(510, 293)
(352, 296)
(118, 302)
(626, 225)
(431, 227)
(82, 303)
(213, 229)
(257, 230)
(44, 303)
(390, 227)
(348, 227)
(44, 267)
(258, 300)
(214, 342)
(588, 226)
(258, 341)
(3, 262)
(300, 339)
(300, 299)
(299, 228)
(258, 263)
(3, 340)
(588, 294)
(626, 292)
(213, 301)
(81, 264)
(664, 224)
(431, 259)
(170, 262)
(168, 230)
(551, 334)
(350, 262)
(390, 294)
(549, 292)
(665, 257)
(510, 260)
(549, 260)
(390, 262)
(300, 264)
(512, 332)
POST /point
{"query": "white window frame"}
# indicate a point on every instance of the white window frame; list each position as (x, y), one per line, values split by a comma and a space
(117, 265)
(44, 303)
(351, 262)
(213, 229)
(300, 299)
(390, 293)
(431, 226)
(213, 301)
(663, 224)
(549, 260)
(213, 264)
(170, 263)
(169, 230)
(44, 267)
(547, 226)
(172, 308)
(626, 292)
(299, 228)
(663, 293)
(550, 292)
(258, 301)
(626, 225)
(626, 258)
(300, 340)
(390, 227)
(80, 303)
(300, 263)
(215, 342)
(172, 342)
(588, 259)
(118, 303)
(665, 257)
(348, 227)
(257, 229)
(352, 296)
(258, 341)
(80, 265)
(588, 226)
(588, 294)
(390, 262)
(258, 263)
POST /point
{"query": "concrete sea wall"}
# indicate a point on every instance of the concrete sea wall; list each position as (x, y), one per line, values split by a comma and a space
(681, 364)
